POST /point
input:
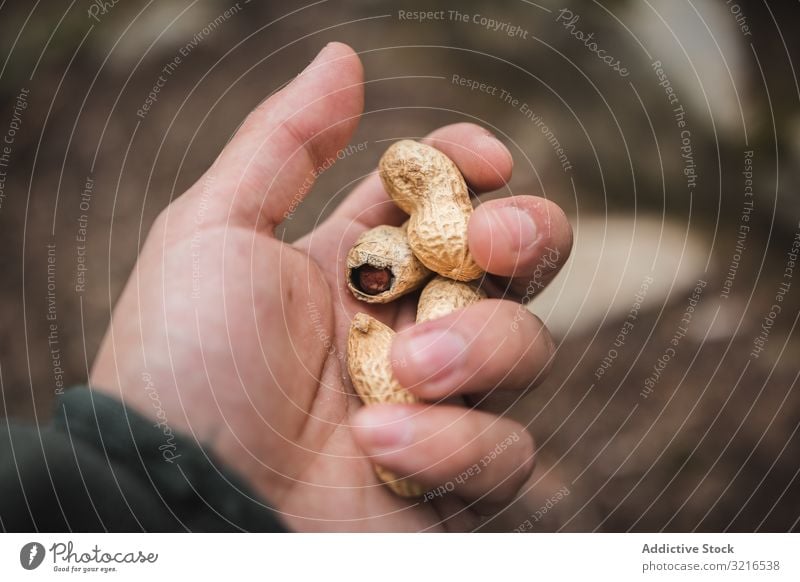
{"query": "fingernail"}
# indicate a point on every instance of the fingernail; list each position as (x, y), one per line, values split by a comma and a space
(431, 355)
(385, 428)
(518, 228)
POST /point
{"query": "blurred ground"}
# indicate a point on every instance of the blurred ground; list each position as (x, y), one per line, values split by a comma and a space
(713, 445)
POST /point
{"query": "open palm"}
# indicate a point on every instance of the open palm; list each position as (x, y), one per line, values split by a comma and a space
(243, 336)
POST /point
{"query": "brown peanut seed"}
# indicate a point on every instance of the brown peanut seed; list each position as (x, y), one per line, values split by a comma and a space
(371, 280)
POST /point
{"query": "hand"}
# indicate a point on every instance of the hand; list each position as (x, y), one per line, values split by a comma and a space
(241, 337)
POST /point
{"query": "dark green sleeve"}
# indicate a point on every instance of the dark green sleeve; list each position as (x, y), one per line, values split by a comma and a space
(101, 467)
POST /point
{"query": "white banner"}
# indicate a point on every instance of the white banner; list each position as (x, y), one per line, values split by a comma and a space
(400, 557)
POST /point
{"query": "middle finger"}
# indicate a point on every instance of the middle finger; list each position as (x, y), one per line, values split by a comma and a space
(493, 344)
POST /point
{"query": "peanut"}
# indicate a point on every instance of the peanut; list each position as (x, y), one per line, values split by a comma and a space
(381, 266)
(442, 296)
(427, 185)
(370, 368)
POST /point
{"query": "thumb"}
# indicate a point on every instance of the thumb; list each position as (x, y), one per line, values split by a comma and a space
(270, 164)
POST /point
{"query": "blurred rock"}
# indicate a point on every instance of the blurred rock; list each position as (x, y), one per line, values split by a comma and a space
(616, 258)
(705, 54)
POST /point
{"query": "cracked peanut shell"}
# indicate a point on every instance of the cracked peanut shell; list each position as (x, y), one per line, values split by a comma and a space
(381, 266)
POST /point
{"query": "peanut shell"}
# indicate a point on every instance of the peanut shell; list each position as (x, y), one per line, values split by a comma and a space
(385, 248)
(370, 368)
(442, 296)
(428, 186)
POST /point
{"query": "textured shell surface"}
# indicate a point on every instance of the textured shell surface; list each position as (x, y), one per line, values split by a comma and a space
(370, 368)
(427, 185)
(442, 296)
(369, 362)
(438, 237)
